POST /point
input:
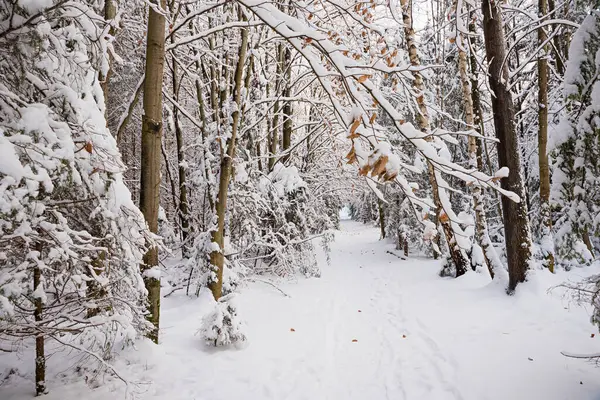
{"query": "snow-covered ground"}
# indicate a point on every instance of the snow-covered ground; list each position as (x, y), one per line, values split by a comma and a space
(372, 327)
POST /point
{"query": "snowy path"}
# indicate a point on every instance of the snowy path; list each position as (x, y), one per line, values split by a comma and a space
(418, 337)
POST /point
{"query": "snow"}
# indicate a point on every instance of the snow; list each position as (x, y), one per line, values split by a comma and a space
(34, 6)
(372, 327)
(9, 161)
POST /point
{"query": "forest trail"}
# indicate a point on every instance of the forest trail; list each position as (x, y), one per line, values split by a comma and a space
(372, 327)
(351, 338)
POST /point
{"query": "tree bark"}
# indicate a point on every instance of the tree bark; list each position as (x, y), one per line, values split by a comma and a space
(287, 107)
(545, 216)
(183, 206)
(40, 355)
(559, 50)
(274, 137)
(216, 256)
(381, 218)
(152, 128)
(459, 259)
(481, 228)
(516, 224)
(110, 12)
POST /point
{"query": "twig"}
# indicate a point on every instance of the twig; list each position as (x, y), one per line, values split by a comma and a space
(397, 255)
(269, 283)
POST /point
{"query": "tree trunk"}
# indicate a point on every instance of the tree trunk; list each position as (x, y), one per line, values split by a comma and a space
(481, 228)
(545, 216)
(183, 206)
(40, 355)
(152, 128)
(559, 50)
(459, 259)
(287, 107)
(516, 224)
(381, 218)
(110, 12)
(217, 258)
(274, 137)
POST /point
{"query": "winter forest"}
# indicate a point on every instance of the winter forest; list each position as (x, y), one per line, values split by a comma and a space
(293, 199)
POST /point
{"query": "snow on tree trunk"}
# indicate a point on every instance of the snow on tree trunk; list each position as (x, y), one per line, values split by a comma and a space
(152, 128)
(516, 222)
(440, 196)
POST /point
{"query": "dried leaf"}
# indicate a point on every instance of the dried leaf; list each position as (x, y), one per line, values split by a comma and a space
(292, 330)
(363, 78)
(88, 147)
(351, 156)
(354, 340)
(354, 126)
(379, 166)
(364, 170)
(372, 119)
(390, 177)
(444, 217)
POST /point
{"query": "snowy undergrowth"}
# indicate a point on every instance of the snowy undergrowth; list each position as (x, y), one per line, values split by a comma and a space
(372, 327)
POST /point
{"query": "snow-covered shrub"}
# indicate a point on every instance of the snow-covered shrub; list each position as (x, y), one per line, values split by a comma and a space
(273, 220)
(222, 326)
(71, 238)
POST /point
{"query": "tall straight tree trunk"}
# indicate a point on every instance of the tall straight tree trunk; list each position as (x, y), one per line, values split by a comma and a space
(287, 107)
(217, 257)
(559, 47)
(478, 113)
(458, 256)
(110, 12)
(481, 227)
(381, 218)
(182, 204)
(40, 354)
(546, 218)
(516, 224)
(274, 137)
(152, 128)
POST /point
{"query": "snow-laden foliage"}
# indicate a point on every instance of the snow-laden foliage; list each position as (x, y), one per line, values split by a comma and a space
(71, 239)
(576, 178)
(222, 326)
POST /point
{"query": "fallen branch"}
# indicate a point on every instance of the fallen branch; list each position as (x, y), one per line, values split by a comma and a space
(397, 255)
(269, 283)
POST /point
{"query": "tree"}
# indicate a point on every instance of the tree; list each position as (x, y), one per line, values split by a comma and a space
(64, 203)
(545, 215)
(152, 128)
(490, 257)
(516, 222)
(575, 177)
(217, 256)
(440, 196)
